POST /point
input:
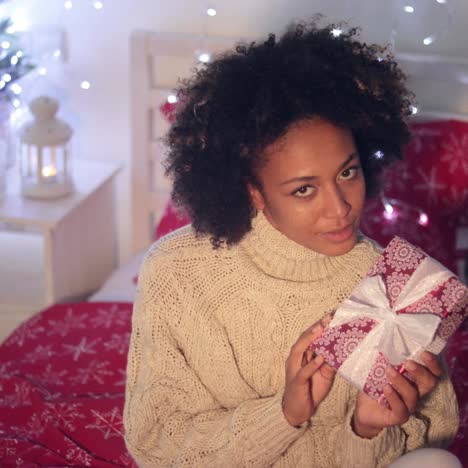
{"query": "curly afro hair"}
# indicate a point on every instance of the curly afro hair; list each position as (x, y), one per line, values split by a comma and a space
(247, 98)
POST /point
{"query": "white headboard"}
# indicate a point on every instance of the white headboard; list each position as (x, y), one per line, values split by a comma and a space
(157, 61)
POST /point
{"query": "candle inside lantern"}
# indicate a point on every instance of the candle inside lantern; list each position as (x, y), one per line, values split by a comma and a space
(49, 173)
(45, 171)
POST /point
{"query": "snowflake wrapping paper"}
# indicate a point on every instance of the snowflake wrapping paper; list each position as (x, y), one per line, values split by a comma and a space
(407, 303)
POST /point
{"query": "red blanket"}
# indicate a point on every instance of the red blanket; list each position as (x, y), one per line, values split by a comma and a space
(62, 380)
(62, 387)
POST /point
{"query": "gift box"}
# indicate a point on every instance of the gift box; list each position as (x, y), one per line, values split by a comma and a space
(407, 303)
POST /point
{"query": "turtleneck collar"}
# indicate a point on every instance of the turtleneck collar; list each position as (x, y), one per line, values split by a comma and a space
(280, 257)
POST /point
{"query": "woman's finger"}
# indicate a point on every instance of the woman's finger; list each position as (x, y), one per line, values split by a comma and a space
(327, 372)
(424, 379)
(309, 370)
(398, 413)
(295, 360)
(432, 363)
(405, 389)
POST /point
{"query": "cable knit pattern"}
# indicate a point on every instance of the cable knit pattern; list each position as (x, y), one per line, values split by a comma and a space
(211, 333)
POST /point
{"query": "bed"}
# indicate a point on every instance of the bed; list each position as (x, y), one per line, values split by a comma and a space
(62, 372)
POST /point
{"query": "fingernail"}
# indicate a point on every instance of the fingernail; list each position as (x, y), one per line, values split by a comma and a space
(410, 365)
(426, 356)
(391, 371)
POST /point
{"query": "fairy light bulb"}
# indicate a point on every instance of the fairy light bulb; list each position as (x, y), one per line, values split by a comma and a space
(428, 40)
(43, 71)
(85, 85)
(205, 58)
(389, 212)
(68, 4)
(171, 99)
(408, 9)
(414, 110)
(379, 154)
(16, 88)
(211, 12)
(336, 32)
(6, 77)
(5, 45)
(423, 219)
(98, 5)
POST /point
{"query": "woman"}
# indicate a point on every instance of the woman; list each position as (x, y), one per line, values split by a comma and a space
(272, 154)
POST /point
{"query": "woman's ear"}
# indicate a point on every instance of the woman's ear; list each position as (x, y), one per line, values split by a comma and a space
(256, 197)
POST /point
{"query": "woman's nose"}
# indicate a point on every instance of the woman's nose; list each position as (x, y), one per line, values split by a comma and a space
(335, 203)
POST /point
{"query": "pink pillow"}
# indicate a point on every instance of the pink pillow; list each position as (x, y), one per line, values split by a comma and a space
(170, 221)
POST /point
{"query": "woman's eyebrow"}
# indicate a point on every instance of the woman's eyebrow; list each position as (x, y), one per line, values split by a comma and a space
(309, 178)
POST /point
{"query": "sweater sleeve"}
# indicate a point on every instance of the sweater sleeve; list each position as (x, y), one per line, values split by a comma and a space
(170, 417)
(434, 424)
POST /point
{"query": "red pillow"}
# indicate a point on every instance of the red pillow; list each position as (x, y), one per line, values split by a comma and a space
(170, 221)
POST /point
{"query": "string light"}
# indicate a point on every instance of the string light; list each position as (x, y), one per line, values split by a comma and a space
(57, 53)
(428, 40)
(408, 9)
(336, 32)
(98, 5)
(414, 110)
(5, 45)
(16, 103)
(43, 71)
(2, 84)
(85, 85)
(423, 219)
(205, 58)
(171, 99)
(211, 12)
(68, 4)
(389, 213)
(14, 60)
(16, 88)
(441, 1)
(379, 154)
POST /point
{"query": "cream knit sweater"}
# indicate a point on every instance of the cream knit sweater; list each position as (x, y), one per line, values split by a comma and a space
(211, 332)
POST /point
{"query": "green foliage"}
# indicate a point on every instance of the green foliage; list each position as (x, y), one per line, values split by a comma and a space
(13, 59)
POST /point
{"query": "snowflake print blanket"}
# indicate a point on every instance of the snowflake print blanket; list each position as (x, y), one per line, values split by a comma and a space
(407, 303)
(62, 381)
(62, 387)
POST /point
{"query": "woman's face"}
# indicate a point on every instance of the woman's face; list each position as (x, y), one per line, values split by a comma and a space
(313, 187)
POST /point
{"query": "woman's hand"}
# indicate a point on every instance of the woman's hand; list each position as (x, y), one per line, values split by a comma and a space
(370, 417)
(308, 379)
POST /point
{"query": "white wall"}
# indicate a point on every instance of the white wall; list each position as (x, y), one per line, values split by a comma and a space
(99, 53)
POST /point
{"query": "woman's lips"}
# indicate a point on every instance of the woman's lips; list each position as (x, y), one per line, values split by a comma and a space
(339, 236)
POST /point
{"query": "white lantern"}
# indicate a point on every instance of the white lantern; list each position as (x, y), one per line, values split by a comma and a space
(44, 152)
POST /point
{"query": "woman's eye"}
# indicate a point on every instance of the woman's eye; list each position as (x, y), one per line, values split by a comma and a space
(304, 191)
(349, 173)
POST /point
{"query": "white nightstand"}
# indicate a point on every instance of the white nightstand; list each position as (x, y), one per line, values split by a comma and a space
(53, 251)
